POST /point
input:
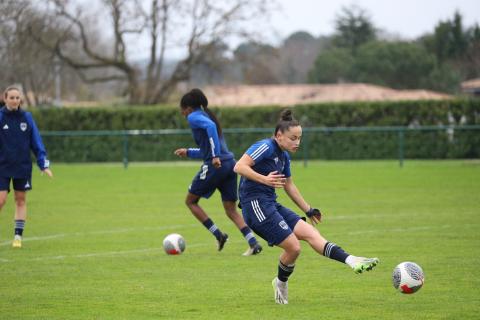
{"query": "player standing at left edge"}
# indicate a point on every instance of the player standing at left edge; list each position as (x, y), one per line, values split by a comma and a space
(18, 135)
(216, 171)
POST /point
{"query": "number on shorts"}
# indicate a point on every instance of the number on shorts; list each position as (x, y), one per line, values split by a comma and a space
(203, 175)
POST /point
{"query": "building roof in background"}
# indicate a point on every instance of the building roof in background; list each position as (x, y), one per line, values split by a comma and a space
(257, 95)
(471, 86)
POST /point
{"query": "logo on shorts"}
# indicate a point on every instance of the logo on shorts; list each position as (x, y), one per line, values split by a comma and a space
(27, 185)
(23, 126)
(283, 225)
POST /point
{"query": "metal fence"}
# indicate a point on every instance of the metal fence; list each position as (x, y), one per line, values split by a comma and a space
(423, 142)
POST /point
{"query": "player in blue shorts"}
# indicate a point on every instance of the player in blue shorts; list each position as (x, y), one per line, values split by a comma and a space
(264, 167)
(18, 135)
(216, 171)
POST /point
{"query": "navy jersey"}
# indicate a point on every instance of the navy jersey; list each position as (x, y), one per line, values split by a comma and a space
(206, 136)
(268, 157)
(18, 135)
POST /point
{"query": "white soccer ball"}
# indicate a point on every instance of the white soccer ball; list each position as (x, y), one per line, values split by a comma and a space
(408, 277)
(174, 244)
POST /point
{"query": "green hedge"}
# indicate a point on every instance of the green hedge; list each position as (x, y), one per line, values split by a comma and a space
(314, 115)
(331, 145)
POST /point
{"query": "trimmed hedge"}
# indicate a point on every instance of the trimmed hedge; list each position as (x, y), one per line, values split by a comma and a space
(314, 115)
(332, 145)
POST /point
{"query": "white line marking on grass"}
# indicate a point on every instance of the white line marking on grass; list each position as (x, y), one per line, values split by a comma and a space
(80, 234)
(178, 226)
(102, 254)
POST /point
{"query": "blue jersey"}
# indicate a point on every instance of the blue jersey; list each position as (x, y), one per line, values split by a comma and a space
(268, 157)
(18, 135)
(206, 136)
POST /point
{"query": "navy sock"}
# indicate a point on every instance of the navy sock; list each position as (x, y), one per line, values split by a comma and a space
(284, 271)
(334, 252)
(19, 226)
(248, 234)
(212, 228)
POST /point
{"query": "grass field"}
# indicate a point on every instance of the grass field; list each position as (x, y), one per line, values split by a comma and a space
(93, 246)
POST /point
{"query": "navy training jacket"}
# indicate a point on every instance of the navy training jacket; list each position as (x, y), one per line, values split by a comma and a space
(18, 135)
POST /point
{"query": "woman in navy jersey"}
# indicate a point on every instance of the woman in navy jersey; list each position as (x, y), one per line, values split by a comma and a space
(18, 136)
(216, 171)
(264, 167)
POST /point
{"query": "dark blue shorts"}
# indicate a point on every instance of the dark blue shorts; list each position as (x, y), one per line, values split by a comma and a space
(18, 184)
(208, 179)
(269, 219)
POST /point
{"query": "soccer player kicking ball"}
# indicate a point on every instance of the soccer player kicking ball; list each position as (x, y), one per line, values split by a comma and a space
(264, 167)
(18, 135)
(216, 171)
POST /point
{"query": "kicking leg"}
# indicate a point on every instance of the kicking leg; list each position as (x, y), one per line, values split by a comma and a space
(307, 232)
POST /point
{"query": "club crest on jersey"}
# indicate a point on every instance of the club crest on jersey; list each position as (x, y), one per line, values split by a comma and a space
(23, 126)
(283, 225)
(276, 160)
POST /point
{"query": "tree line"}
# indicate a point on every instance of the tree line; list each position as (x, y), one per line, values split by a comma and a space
(89, 51)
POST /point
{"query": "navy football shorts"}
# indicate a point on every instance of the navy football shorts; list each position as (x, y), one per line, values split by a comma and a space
(18, 184)
(208, 179)
(269, 219)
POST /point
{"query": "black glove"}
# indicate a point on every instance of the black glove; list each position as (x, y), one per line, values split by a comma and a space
(314, 214)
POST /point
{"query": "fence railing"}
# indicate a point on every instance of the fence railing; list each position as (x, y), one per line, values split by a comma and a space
(317, 143)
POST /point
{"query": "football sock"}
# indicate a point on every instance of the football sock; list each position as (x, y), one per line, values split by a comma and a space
(334, 252)
(284, 271)
(351, 260)
(19, 226)
(212, 228)
(248, 234)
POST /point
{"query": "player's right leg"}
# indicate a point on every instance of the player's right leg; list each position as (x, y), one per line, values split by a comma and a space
(192, 203)
(3, 198)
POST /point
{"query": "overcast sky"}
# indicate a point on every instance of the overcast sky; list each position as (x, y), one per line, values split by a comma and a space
(407, 18)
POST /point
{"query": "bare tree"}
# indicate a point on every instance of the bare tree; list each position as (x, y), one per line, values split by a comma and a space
(22, 61)
(191, 25)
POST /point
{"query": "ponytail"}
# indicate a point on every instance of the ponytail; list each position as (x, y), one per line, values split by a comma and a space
(195, 98)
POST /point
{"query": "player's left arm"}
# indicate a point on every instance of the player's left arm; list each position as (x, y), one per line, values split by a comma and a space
(292, 191)
(36, 144)
(294, 194)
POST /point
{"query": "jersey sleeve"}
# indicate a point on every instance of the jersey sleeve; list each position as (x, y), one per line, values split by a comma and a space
(286, 169)
(36, 144)
(199, 121)
(194, 153)
(259, 150)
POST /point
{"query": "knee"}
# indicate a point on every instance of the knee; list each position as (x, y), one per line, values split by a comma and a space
(295, 250)
(191, 202)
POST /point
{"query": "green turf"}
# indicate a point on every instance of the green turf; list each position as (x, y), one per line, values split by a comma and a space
(93, 246)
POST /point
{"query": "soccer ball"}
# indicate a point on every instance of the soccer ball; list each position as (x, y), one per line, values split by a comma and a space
(174, 244)
(408, 277)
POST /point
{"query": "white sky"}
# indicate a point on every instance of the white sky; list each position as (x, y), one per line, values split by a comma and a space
(407, 18)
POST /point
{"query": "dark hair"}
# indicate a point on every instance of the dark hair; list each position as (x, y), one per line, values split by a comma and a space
(195, 98)
(286, 121)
